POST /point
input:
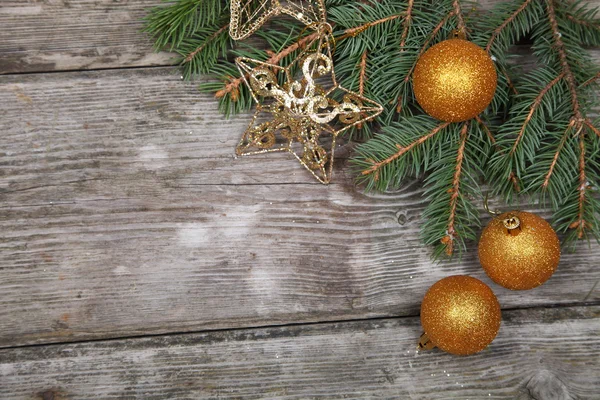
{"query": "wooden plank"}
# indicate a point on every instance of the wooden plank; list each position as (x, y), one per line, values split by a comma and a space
(538, 354)
(80, 34)
(83, 34)
(116, 221)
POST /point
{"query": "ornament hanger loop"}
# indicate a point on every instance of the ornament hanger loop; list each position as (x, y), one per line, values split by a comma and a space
(487, 206)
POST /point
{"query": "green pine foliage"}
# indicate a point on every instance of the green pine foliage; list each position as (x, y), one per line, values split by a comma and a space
(179, 20)
(538, 138)
(547, 145)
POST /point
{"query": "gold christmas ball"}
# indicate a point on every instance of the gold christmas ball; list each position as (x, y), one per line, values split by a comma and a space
(460, 315)
(519, 250)
(455, 80)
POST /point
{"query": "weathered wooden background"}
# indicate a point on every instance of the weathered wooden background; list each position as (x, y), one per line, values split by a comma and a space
(140, 259)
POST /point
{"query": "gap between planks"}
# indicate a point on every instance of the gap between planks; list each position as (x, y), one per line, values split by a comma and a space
(280, 326)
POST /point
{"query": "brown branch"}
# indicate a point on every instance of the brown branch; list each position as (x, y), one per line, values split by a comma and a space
(592, 79)
(581, 223)
(399, 104)
(562, 54)
(557, 154)
(406, 23)
(497, 32)
(509, 81)
(486, 129)
(191, 55)
(352, 32)
(362, 77)
(577, 120)
(448, 240)
(403, 150)
(429, 39)
(275, 59)
(460, 21)
(513, 176)
(504, 24)
(584, 23)
(363, 73)
(536, 103)
(589, 124)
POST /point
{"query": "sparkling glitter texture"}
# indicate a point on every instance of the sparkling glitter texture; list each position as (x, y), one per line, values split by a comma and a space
(461, 315)
(522, 258)
(455, 80)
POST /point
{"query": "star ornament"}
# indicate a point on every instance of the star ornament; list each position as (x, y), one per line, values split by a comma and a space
(301, 108)
(247, 16)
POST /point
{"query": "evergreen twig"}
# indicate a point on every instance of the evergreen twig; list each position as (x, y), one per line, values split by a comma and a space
(538, 131)
(455, 193)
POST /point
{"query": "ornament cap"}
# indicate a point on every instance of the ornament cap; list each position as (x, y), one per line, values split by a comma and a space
(512, 223)
(425, 343)
(459, 34)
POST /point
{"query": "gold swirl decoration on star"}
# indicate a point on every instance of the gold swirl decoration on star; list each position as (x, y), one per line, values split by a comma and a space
(301, 108)
(247, 16)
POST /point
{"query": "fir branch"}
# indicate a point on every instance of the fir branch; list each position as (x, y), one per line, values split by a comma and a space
(554, 162)
(448, 240)
(591, 126)
(547, 144)
(402, 150)
(169, 25)
(460, 21)
(362, 77)
(587, 24)
(560, 48)
(408, 17)
(353, 32)
(590, 81)
(577, 121)
(486, 129)
(536, 104)
(581, 21)
(363, 73)
(581, 223)
(212, 37)
(505, 24)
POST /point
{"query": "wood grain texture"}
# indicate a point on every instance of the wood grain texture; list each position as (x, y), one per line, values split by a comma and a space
(541, 354)
(123, 212)
(58, 35)
(48, 35)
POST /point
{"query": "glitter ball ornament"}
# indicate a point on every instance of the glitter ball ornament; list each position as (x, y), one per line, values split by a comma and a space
(519, 250)
(460, 315)
(454, 80)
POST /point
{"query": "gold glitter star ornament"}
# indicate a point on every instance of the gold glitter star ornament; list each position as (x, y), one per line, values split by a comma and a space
(247, 16)
(301, 108)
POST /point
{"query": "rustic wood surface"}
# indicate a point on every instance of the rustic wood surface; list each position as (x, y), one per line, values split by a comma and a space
(61, 35)
(123, 214)
(58, 35)
(538, 354)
